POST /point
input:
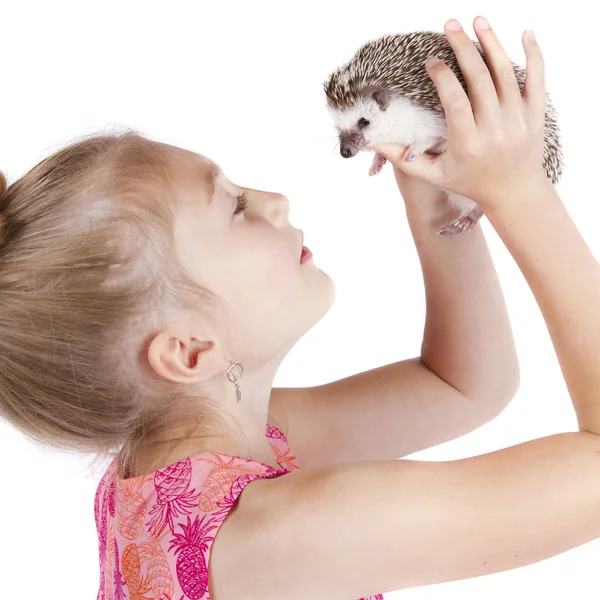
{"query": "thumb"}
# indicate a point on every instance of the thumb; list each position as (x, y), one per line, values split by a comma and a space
(423, 166)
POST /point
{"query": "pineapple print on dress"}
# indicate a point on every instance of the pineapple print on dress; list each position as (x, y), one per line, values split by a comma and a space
(110, 500)
(118, 582)
(131, 507)
(131, 566)
(191, 547)
(285, 458)
(174, 498)
(192, 544)
(157, 579)
(109, 565)
(220, 479)
(157, 569)
(102, 526)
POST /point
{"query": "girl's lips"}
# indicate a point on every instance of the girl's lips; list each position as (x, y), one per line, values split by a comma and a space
(306, 254)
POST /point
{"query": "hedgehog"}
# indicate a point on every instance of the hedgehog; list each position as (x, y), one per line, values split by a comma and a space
(385, 95)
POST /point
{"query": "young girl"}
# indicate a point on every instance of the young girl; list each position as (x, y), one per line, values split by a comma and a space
(150, 320)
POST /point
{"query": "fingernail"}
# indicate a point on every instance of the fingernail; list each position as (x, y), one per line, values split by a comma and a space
(531, 35)
(482, 23)
(453, 25)
(432, 61)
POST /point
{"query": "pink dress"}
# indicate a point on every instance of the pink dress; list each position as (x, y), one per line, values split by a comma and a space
(155, 531)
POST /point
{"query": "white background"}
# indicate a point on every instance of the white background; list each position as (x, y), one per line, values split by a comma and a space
(242, 83)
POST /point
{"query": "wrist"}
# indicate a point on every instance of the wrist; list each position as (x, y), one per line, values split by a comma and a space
(426, 219)
(515, 195)
(430, 206)
(420, 194)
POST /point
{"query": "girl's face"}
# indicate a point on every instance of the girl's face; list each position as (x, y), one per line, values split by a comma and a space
(250, 257)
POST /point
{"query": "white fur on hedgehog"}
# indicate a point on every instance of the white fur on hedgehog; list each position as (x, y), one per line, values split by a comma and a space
(406, 124)
(384, 64)
(402, 123)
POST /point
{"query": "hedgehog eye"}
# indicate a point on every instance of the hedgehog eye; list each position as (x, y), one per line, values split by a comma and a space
(362, 123)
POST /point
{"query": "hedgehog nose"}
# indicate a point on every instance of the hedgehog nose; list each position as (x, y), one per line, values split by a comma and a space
(346, 152)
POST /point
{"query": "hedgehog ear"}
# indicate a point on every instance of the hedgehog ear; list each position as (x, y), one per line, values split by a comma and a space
(380, 96)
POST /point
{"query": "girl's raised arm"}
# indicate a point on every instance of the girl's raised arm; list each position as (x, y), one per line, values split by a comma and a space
(356, 529)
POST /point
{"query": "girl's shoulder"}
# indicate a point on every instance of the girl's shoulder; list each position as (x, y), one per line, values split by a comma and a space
(147, 523)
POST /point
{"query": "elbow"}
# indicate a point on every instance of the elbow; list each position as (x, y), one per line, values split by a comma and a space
(512, 383)
(506, 394)
(499, 391)
(510, 378)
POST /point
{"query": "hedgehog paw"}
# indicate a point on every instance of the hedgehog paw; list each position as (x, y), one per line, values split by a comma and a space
(457, 226)
(377, 164)
(463, 223)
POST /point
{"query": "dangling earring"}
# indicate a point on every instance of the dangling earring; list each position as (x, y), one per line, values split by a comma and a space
(234, 372)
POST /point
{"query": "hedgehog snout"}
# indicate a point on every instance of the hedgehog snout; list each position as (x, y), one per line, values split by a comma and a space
(351, 143)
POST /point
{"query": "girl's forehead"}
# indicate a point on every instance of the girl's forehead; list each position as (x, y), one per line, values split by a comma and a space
(194, 178)
(193, 168)
(187, 157)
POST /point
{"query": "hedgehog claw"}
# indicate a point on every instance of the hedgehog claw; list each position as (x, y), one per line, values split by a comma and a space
(409, 155)
(457, 226)
(463, 223)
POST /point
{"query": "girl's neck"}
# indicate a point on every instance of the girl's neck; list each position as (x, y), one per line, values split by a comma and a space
(159, 455)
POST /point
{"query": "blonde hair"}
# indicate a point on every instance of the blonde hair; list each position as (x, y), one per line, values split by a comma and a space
(88, 276)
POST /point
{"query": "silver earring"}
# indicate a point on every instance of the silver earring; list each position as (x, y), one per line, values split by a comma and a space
(234, 372)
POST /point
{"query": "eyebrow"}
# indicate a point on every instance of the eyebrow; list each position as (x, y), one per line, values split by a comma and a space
(211, 177)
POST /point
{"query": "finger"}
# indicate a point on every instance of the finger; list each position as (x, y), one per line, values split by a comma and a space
(503, 74)
(460, 120)
(392, 152)
(482, 92)
(425, 166)
(535, 78)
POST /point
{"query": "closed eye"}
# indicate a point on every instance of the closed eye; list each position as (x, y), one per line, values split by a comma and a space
(242, 203)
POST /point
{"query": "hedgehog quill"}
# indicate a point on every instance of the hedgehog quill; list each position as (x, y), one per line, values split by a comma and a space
(384, 95)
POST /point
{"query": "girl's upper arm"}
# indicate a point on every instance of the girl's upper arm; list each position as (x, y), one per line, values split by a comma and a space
(356, 529)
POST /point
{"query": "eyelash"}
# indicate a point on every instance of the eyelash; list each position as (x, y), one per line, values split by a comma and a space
(242, 203)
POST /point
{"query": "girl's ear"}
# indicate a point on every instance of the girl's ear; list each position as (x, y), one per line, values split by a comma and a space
(181, 359)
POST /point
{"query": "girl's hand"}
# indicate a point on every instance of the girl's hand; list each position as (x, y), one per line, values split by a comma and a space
(495, 141)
